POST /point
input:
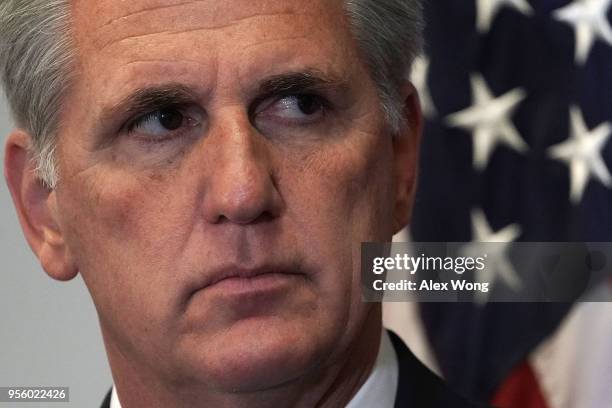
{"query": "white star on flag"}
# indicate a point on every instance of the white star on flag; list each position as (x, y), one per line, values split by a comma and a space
(497, 262)
(488, 9)
(489, 120)
(590, 22)
(420, 70)
(582, 153)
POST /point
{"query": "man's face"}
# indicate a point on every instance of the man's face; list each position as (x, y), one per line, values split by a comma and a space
(204, 140)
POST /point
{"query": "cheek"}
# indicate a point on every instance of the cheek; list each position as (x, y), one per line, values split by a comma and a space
(119, 197)
(104, 212)
(338, 198)
(347, 191)
(114, 225)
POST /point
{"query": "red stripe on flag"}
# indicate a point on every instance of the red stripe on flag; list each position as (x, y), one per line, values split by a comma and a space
(520, 390)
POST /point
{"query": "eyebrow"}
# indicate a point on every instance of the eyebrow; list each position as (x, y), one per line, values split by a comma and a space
(145, 100)
(299, 82)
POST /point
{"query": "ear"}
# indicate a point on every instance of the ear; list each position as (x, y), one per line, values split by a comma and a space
(36, 208)
(406, 145)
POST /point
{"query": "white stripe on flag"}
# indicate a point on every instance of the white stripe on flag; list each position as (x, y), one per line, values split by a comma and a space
(574, 366)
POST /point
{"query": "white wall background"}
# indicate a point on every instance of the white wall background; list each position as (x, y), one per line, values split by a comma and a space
(49, 333)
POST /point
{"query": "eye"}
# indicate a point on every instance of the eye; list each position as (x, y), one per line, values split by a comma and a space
(165, 123)
(299, 109)
(300, 105)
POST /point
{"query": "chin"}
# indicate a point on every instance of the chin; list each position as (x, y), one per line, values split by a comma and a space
(255, 355)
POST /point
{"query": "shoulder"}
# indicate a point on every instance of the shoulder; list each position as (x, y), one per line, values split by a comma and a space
(418, 386)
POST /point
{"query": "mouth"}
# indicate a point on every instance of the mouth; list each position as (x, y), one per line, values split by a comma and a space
(260, 283)
(236, 281)
(229, 294)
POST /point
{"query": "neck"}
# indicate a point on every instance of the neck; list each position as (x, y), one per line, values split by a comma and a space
(331, 385)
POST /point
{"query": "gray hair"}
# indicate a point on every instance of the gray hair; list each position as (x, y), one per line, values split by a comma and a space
(37, 56)
(390, 35)
(35, 66)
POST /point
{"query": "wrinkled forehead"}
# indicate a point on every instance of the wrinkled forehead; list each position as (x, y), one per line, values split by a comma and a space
(106, 22)
(248, 38)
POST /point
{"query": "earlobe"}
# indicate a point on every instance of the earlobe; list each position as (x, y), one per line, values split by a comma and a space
(406, 147)
(36, 208)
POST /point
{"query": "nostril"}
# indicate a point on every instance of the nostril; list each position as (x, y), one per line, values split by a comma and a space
(262, 218)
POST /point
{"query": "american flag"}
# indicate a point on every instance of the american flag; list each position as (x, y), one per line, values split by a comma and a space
(518, 100)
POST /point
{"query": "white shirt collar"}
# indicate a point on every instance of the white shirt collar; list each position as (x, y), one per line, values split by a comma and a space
(379, 389)
(114, 402)
(381, 386)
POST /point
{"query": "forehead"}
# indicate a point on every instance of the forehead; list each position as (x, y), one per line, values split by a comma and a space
(260, 34)
(107, 21)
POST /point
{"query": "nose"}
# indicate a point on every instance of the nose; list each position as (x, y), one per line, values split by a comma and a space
(242, 188)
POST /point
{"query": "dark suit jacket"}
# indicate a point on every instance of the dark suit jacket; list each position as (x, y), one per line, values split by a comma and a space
(417, 386)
